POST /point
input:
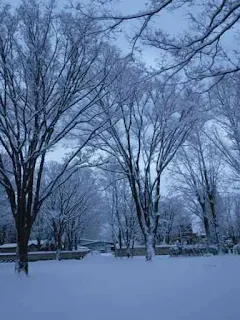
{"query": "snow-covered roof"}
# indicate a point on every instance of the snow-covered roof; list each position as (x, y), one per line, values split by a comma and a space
(14, 245)
(89, 241)
(8, 245)
(30, 242)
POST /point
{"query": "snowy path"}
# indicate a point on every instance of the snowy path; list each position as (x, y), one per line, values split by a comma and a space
(104, 288)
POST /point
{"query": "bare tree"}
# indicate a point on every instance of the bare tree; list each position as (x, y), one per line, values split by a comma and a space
(6, 222)
(225, 101)
(53, 69)
(168, 214)
(198, 170)
(67, 210)
(199, 51)
(122, 213)
(145, 132)
(110, 228)
(39, 230)
(231, 218)
(174, 220)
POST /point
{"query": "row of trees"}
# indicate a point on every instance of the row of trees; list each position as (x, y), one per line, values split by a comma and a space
(54, 68)
(61, 82)
(67, 214)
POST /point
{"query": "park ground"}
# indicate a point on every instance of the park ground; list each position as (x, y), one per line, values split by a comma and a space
(104, 288)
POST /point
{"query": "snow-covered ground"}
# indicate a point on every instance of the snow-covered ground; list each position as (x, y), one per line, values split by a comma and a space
(105, 288)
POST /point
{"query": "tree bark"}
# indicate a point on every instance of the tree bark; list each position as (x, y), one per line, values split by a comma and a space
(132, 248)
(206, 227)
(22, 251)
(128, 251)
(217, 235)
(59, 247)
(149, 245)
(39, 244)
(70, 245)
(75, 243)
(120, 239)
(215, 223)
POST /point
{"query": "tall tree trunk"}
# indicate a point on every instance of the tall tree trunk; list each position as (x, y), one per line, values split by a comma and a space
(120, 239)
(215, 223)
(115, 249)
(128, 250)
(206, 227)
(70, 240)
(149, 246)
(75, 243)
(39, 244)
(217, 235)
(59, 246)
(3, 235)
(70, 245)
(132, 248)
(168, 238)
(22, 250)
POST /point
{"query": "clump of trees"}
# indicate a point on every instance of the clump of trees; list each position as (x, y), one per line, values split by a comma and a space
(68, 211)
(63, 83)
(53, 69)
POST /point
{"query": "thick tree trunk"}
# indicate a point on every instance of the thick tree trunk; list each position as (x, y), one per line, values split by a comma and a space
(216, 225)
(149, 245)
(217, 235)
(206, 227)
(22, 251)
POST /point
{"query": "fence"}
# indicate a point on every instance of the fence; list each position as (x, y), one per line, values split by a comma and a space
(45, 255)
(140, 251)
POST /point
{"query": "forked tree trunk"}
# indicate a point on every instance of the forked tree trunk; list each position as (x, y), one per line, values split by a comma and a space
(21, 265)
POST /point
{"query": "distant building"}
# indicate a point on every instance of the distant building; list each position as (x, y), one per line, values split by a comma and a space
(97, 245)
(45, 245)
(12, 247)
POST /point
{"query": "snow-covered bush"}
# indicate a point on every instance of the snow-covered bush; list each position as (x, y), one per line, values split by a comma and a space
(193, 250)
(236, 249)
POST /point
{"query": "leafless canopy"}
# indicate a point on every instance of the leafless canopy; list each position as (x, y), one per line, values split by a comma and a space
(201, 51)
(143, 135)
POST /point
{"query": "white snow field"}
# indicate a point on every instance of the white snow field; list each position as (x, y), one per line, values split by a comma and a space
(104, 288)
